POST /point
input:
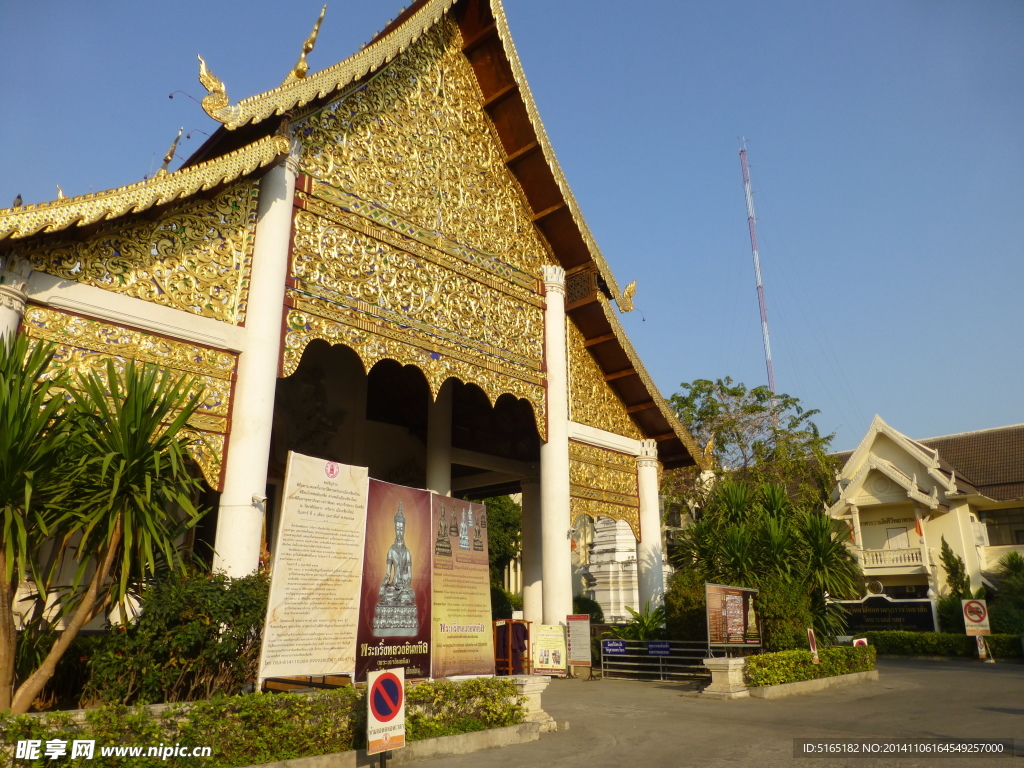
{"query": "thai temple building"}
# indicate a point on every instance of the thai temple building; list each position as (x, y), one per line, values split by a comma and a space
(379, 264)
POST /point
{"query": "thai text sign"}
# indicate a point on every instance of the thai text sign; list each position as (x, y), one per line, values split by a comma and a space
(579, 639)
(878, 612)
(613, 647)
(732, 616)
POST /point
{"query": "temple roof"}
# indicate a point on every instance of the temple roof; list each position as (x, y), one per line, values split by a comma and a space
(88, 209)
(487, 44)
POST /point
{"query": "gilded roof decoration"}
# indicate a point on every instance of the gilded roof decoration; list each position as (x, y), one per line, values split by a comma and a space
(591, 400)
(84, 346)
(300, 91)
(88, 209)
(414, 147)
(195, 256)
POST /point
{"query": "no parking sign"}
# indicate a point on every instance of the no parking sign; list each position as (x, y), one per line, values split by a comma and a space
(385, 710)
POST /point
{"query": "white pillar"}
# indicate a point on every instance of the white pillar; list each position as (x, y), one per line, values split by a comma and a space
(240, 520)
(650, 564)
(554, 458)
(439, 442)
(532, 570)
(14, 275)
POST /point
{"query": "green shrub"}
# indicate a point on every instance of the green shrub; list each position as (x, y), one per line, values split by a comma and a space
(261, 728)
(501, 606)
(582, 604)
(951, 615)
(941, 644)
(784, 610)
(793, 666)
(686, 607)
(197, 635)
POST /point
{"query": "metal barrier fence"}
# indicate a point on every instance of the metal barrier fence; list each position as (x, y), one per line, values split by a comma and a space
(670, 659)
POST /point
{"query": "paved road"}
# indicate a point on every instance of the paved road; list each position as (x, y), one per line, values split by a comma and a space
(622, 724)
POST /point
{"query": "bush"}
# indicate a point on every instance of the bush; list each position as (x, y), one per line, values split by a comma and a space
(582, 604)
(501, 606)
(197, 635)
(261, 728)
(686, 607)
(951, 615)
(793, 666)
(784, 610)
(941, 644)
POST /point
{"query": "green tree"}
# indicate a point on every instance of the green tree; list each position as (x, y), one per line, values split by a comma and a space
(646, 625)
(754, 536)
(131, 497)
(504, 534)
(753, 433)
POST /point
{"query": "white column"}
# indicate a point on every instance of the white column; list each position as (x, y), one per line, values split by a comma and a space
(14, 275)
(554, 458)
(439, 442)
(649, 559)
(532, 570)
(240, 520)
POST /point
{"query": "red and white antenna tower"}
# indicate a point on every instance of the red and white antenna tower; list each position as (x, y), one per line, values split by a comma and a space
(757, 267)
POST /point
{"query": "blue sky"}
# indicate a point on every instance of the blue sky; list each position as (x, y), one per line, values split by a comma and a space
(885, 142)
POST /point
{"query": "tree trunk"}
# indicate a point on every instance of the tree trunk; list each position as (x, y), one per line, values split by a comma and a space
(86, 611)
(8, 637)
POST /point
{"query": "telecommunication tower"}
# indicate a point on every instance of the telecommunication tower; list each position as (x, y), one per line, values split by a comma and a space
(757, 268)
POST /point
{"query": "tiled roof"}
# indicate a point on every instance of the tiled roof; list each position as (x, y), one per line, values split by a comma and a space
(991, 459)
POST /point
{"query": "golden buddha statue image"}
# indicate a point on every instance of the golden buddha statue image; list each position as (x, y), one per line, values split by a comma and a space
(396, 614)
(443, 545)
(753, 633)
(464, 532)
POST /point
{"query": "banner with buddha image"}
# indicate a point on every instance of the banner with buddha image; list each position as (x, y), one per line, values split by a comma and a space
(463, 643)
(368, 575)
(396, 596)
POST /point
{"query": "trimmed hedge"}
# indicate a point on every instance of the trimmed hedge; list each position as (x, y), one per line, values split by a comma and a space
(794, 666)
(942, 644)
(262, 728)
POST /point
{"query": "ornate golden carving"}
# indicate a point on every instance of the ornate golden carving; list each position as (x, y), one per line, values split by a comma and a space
(299, 92)
(88, 209)
(195, 257)
(591, 400)
(374, 342)
(403, 283)
(625, 301)
(216, 102)
(603, 482)
(416, 142)
(85, 345)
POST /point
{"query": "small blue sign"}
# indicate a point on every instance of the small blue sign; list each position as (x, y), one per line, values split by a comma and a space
(658, 648)
(613, 646)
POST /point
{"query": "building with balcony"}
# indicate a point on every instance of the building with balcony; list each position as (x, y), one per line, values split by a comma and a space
(901, 497)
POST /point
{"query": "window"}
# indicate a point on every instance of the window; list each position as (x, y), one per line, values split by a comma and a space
(1005, 526)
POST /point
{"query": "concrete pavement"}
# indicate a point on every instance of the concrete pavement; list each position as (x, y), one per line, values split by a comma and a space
(621, 724)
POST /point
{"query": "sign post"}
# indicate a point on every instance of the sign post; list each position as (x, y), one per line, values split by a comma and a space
(385, 712)
(976, 623)
(579, 641)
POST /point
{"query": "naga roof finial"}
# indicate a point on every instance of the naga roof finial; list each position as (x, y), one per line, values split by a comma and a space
(170, 153)
(216, 102)
(301, 66)
(625, 301)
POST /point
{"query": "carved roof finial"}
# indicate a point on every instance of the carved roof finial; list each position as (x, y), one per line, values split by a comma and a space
(170, 153)
(301, 66)
(216, 102)
(625, 301)
(60, 193)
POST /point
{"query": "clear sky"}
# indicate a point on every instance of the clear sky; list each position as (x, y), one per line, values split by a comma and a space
(884, 136)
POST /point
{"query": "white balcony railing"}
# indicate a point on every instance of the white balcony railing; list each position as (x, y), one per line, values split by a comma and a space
(889, 558)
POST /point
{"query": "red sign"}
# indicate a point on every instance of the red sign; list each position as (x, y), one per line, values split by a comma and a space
(386, 697)
(976, 617)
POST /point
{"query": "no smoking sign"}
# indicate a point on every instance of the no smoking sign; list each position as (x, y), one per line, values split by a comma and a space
(385, 715)
(975, 617)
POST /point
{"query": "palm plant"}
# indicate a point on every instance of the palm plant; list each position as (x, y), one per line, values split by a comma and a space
(649, 625)
(34, 478)
(132, 500)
